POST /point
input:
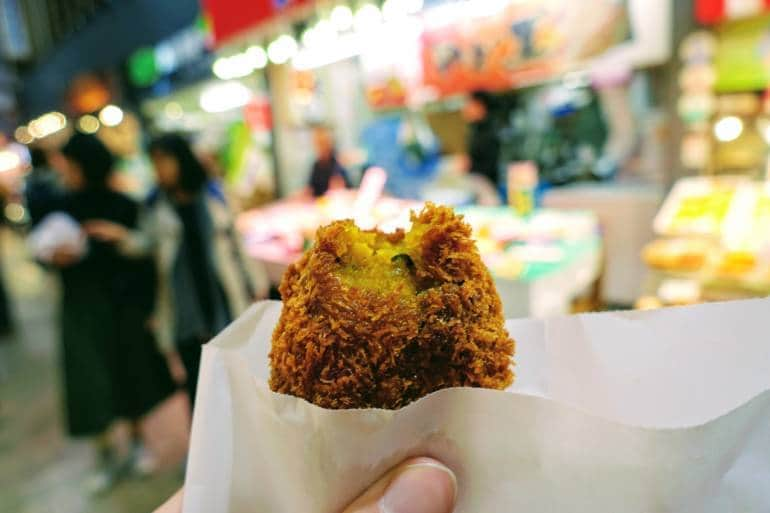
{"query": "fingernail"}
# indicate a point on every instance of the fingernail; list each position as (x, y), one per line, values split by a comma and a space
(425, 487)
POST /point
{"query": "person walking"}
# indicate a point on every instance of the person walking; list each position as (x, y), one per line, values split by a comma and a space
(112, 368)
(204, 280)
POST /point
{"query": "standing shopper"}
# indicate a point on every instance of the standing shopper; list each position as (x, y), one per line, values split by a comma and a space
(483, 136)
(204, 279)
(112, 368)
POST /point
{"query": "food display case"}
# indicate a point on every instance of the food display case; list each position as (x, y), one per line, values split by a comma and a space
(714, 232)
(540, 263)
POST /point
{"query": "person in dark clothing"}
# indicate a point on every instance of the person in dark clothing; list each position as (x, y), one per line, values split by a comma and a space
(327, 172)
(112, 367)
(204, 281)
(484, 138)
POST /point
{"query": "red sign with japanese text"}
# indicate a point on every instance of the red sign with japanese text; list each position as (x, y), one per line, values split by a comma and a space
(228, 18)
(526, 43)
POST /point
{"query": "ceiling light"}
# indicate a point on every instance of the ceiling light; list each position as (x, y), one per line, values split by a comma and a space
(224, 96)
(367, 17)
(728, 128)
(111, 115)
(88, 124)
(173, 110)
(257, 56)
(342, 18)
(47, 124)
(282, 49)
(23, 136)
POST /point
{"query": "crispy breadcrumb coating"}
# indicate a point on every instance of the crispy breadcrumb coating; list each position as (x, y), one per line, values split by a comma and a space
(374, 320)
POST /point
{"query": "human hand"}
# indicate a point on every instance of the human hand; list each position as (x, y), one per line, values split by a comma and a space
(176, 368)
(105, 231)
(64, 256)
(419, 485)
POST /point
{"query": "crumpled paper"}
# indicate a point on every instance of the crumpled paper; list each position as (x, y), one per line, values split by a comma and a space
(641, 412)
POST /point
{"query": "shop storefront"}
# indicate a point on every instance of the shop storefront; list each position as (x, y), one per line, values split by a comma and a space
(712, 229)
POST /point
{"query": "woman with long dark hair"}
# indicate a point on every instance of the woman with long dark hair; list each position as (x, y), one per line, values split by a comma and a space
(204, 280)
(112, 368)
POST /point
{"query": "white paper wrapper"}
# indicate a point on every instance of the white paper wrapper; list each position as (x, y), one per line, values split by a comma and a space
(55, 230)
(664, 411)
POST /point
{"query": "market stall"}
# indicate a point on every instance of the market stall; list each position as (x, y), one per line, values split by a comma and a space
(540, 263)
(714, 241)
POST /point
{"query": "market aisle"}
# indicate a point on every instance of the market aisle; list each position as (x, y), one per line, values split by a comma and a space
(41, 471)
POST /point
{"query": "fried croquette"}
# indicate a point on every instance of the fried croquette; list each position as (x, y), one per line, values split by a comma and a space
(376, 320)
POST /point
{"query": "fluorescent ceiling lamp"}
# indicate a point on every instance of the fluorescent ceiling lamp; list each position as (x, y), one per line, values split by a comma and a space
(728, 128)
(257, 56)
(344, 47)
(236, 66)
(22, 135)
(342, 18)
(367, 17)
(111, 115)
(47, 124)
(282, 49)
(88, 124)
(224, 96)
(173, 110)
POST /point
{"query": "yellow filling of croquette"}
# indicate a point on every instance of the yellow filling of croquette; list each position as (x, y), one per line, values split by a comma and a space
(374, 263)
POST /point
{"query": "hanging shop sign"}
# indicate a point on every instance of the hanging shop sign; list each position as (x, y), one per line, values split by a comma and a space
(229, 18)
(716, 11)
(742, 57)
(525, 42)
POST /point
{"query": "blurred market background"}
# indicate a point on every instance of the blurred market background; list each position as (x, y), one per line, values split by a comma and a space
(609, 154)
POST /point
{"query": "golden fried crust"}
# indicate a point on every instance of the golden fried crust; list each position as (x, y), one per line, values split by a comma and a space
(361, 328)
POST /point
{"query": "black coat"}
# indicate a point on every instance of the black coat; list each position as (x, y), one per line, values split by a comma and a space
(112, 368)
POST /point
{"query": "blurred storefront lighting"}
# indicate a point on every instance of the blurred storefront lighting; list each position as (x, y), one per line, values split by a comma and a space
(367, 17)
(9, 161)
(173, 110)
(111, 115)
(483, 8)
(15, 212)
(282, 49)
(88, 124)
(258, 56)
(316, 56)
(414, 6)
(22, 135)
(393, 9)
(47, 124)
(728, 128)
(324, 32)
(342, 18)
(309, 37)
(224, 96)
(235, 66)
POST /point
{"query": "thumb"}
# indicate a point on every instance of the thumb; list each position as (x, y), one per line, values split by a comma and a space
(420, 485)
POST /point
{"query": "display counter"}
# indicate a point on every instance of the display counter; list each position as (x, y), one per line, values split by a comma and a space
(540, 263)
(714, 240)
